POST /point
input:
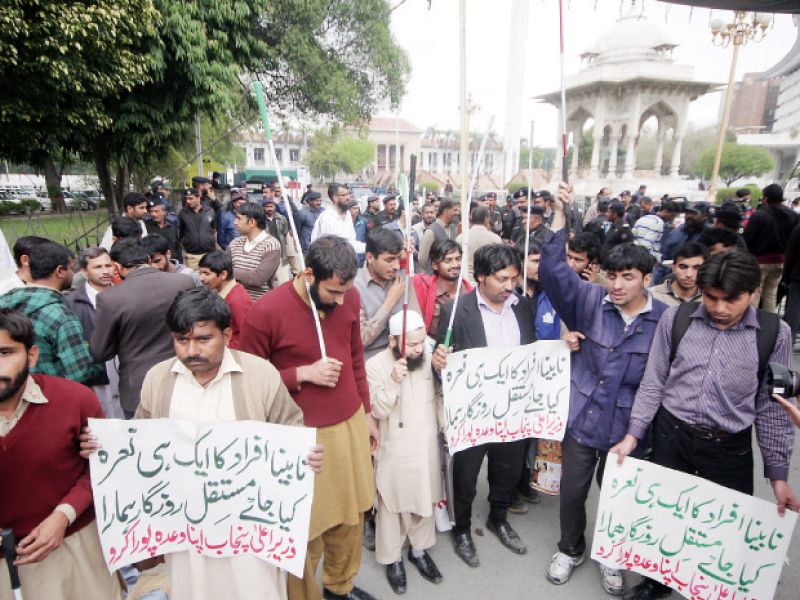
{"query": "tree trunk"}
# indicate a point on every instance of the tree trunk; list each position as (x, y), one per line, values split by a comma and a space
(106, 183)
(52, 179)
(123, 180)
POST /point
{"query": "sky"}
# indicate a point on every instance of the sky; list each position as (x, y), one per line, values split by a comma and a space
(430, 37)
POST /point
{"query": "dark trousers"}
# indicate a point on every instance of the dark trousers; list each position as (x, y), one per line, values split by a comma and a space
(505, 464)
(524, 484)
(727, 462)
(792, 313)
(579, 464)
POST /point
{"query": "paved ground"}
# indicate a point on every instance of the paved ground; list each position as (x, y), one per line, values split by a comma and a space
(505, 575)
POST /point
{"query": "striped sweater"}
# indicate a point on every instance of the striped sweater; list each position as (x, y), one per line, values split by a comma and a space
(255, 269)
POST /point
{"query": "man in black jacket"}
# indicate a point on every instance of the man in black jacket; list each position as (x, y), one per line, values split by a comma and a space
(620, 231)
(491, 315)
(198, 235)
(767, 235)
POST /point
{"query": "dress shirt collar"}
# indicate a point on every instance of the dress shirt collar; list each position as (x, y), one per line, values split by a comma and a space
(510, 301)
(227, 288)
(750, 319)
(628, 320)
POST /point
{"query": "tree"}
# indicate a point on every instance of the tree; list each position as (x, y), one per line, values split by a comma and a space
(543, 158)
(331, 155)
(737, 161)
(199, 57)
(59, 61)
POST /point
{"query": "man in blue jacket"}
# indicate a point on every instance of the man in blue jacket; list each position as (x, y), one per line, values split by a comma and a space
(695, 222)
(616, 324)
(226, 230)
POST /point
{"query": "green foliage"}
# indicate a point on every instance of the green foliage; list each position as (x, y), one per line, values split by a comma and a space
(429, 186)
(331, 155)
(515, 186)
(737, 161)
(8, 207)
(730, 192)
(543, 158)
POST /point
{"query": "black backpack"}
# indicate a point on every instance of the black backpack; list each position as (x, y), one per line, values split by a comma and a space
(766, 337)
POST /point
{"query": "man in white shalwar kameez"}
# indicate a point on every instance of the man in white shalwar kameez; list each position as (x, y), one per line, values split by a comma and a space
(407, 466)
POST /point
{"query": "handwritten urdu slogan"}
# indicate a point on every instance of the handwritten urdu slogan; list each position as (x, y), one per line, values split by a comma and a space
(218, 489)
(506, 394)
(701, 539)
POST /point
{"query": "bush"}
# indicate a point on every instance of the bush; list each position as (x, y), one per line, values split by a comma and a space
(755, 193)
(29, 204)
(515, 186)
(7, 207)
(429, 186)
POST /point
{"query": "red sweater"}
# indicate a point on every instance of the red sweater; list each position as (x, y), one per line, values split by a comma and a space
(40, 464)
(280, 327)
(239, 302)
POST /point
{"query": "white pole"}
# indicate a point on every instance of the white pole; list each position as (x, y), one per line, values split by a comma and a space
(527, 222)
(199, 145)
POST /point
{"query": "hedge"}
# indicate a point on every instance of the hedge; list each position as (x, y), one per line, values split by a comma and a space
(755, 193)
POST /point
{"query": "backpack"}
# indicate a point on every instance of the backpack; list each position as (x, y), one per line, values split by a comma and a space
(766, 337)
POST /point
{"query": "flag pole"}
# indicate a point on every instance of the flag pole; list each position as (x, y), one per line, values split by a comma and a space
(408, 195)
(527, 222)
(564, 161)
(262, 107)
(465, 249)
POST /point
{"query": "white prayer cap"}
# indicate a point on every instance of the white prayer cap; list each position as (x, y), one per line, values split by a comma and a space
(396, 323)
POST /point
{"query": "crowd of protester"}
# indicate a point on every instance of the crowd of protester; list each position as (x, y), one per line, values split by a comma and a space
(229, 333)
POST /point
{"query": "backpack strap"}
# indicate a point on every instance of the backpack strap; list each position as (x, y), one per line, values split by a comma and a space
(683, 318)
(766, 338)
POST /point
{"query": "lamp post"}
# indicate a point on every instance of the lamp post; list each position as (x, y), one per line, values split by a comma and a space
(738, 32)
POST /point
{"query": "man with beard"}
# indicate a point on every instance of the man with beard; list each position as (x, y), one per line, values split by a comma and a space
(334, 397)
(434, 291)
(387, 215)
(47, 494)
(160, 223)
(480, 235)
(59, 335)
(336, 220)
(694, 224)
(490, 316)
(683, 287)
(407, 466)
(428, 215)
(380, 289)
(443, 228)
(161, 258)
(98, 269)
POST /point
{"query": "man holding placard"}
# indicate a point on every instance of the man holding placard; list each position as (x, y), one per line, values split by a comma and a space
(491, 315)
(704, 389)
(333, 394)
(616, 325)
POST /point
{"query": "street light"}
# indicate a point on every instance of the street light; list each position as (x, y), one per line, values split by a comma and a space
(745, 27)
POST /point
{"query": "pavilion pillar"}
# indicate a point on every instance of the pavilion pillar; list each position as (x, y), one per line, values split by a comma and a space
(675, 166)
(630, 157)
(659, 156)
(612, 159)
(594, 167)
(576, 142)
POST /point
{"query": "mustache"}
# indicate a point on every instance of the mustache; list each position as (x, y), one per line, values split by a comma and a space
(200, 359)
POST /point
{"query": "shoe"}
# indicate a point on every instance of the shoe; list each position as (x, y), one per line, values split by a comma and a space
(561, 566)
(508, 537)
(369, 535)
(611, 580)
(519, 506)
(648, 590)
(396, 574)
(465, 548)
(531, 496)
(354, 594)
(427, 568)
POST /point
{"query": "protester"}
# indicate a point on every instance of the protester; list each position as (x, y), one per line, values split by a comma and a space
(651, 231)
(130, 319)
(480, 235)
(361, 227)
(595, 209)
(767, 235)
(159, 224)
(59, 335)
(47, 494)
(336, 219)
(161, 258)
(216, 274)
(334, 397)
(256, 255)
(443, 228)
(98, 269)
(226, 224)
(381, 287)
(583, 255)
(683, 287)
(434, 291)
(491, 315)
(694, 224)
(615, 326)
(428, 216)
(278, 227)
(22, 251)
(307, 218)
(408, 477)
(703, 404)
(719, 239)
(134, 206)
(197, 222)
(548, 324)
